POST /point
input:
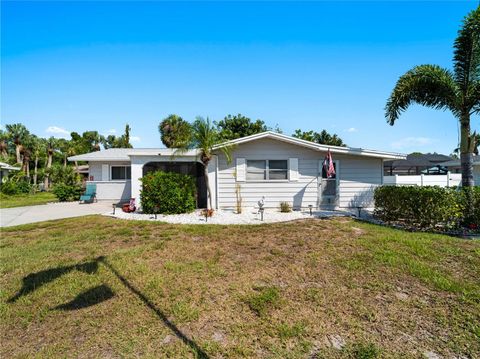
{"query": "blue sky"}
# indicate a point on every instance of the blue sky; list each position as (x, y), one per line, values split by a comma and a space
(77, 66)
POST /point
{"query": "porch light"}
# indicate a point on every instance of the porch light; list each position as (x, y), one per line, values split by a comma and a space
(310, 208)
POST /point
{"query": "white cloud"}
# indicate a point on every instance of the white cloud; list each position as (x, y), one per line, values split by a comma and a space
(351, 129)
(111, 131)
(134, 139)
(412, 142)
(57, 131)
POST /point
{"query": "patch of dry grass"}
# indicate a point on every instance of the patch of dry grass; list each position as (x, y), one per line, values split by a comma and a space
(100, 287)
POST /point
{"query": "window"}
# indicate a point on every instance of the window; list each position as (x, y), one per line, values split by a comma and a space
(121, 173)
(266, 170)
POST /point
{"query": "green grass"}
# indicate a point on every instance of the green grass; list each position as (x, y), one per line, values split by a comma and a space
(22, 200)
(99, 287)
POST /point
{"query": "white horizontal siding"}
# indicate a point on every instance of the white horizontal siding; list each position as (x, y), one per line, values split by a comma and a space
(358, 177)
(109, 190)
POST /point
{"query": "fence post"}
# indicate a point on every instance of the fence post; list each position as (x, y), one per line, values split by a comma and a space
(448, 178)
(421, 180)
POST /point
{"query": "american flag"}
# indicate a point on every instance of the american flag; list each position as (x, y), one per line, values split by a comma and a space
(328, 165)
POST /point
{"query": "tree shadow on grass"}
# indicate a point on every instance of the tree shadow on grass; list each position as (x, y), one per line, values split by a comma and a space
(88, 298)
(194, 346)
(33, 281)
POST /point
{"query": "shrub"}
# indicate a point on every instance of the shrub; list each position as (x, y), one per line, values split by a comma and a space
(65, 175)
(168, 193)
(285, 207)
(24, 187)
(9, 187)
(424, 207)
(65, 192)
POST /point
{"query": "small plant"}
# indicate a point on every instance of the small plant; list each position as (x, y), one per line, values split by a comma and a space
(285, 207)
(207, 212)
(286, 331)
(267, 297)
(363, 351)
(238, 195)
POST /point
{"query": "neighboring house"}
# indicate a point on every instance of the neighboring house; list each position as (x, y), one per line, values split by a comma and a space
(5, 169)
(271, 165)
(416, 164)
(454, 167)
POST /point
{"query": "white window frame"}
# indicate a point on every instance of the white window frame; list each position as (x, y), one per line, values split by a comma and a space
(267, 170)
(125, 169)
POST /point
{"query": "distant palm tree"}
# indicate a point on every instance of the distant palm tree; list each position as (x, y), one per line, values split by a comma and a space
(439, 88)
(51, 145)
(205, 137)
(38, 147)
(18, 133)
(175, 132)
(3, 144)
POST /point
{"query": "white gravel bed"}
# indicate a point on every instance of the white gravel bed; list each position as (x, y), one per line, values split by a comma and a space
(227, 217)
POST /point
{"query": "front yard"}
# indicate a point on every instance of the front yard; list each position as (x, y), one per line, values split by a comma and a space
(101, 287)
(21, 200)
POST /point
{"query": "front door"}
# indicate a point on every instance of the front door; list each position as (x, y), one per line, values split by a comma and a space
(327, 188)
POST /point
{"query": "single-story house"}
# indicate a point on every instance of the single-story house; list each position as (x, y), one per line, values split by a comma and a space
(5, 170)
(271, 165)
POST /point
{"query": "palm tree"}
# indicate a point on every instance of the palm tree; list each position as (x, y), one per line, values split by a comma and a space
(175, 132)
(38, 147)
(439, 88)
(205, 138)
(18, 133)
(3, 144)
(51, 145)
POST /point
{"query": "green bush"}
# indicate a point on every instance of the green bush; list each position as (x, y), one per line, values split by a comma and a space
(168, 193)
(63, 174)
(24, 187)
(424, 207)
(9, 187)
(65, 192)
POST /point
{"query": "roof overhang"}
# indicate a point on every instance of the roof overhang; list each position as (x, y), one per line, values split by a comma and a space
(314, 146)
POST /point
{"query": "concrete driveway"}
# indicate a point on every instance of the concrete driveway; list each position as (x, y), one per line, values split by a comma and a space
(31, 214)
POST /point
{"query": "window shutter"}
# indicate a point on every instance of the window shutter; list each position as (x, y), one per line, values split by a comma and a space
(105, 174)
(241, 170)
(293, 169)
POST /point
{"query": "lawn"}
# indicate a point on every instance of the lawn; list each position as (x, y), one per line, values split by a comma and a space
(21, 200)
(100, 287)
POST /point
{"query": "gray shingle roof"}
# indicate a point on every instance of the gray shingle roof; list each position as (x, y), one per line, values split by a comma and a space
(123, 154)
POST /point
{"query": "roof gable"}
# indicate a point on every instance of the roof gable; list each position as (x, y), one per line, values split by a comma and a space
(313, 146)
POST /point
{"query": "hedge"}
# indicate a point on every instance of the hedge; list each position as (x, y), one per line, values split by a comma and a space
(168, 193)
(67, 192)
(426, 207)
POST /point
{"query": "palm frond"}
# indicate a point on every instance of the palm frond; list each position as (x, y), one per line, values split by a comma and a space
(467, 51)
(427, 85)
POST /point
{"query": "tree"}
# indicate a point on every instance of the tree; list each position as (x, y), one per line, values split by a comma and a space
(175, 132)
(440, 88)
(3, 144)
(18, 133)
(51, 145)
(38, 147)
(112, 141)
(233, 127)
(204, 137)
(323, 138)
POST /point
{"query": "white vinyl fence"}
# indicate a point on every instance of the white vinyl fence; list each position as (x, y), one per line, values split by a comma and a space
(448, 180)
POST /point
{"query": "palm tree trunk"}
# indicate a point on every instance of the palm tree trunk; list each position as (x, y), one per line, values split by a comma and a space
(207, 182)
(466, 152)
(47, 176)
(65, 161)
(17, 152)
(35, 171)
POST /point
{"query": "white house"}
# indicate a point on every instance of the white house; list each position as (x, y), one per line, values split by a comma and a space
(5, 170)
(271, 165)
